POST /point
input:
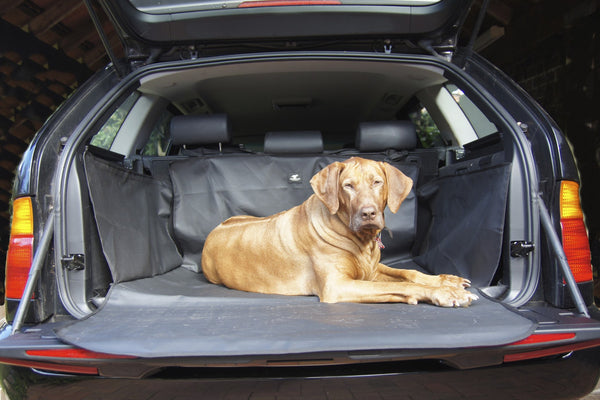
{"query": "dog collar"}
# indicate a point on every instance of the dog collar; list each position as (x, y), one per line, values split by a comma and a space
(379, 242)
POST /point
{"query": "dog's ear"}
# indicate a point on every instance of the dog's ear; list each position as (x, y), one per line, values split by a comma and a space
(325, 185)
(399, 186)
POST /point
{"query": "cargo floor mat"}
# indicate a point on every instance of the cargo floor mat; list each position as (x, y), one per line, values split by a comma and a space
(181, 314)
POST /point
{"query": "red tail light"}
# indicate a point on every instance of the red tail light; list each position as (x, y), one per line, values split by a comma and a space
(53, 359)
(20, 248)
(556, 341)
(74, 353)
(574, 233)
(538, 338)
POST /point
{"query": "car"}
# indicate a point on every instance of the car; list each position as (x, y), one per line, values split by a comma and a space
(229, 108)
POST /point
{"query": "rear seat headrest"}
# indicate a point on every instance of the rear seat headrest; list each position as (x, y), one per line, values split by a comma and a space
(200, 129)
(379, 136)
(293, 142)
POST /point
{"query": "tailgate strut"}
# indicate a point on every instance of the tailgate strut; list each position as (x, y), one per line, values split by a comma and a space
(556, 245)
(477, 27)
(98, 25)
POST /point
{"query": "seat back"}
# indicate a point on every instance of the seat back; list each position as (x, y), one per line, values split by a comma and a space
(200, 130)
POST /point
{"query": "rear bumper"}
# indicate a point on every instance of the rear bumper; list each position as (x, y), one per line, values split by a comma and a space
(571, 376)
(558, 332)
(561, 359)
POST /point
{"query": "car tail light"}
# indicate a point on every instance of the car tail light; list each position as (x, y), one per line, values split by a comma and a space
(557, 342)
(538, 338)
(574, 234)
(75, 353)
(20, 248)
(54, 360)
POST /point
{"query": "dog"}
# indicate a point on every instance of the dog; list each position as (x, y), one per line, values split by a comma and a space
(328, 245)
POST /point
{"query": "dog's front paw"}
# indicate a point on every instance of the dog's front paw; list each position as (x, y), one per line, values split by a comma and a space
(447, 296)
(454, 281)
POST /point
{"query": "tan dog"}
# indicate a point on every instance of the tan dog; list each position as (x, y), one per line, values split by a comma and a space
(327, 245)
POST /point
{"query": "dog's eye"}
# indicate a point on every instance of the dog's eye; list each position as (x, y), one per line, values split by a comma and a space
(348, 185)
(377, 182)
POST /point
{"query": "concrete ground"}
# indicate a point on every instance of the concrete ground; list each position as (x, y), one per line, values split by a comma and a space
(595, 395)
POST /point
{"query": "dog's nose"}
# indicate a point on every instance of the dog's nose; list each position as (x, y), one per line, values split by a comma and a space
(368, 213)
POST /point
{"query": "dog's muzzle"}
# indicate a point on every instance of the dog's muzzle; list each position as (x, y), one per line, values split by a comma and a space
(368, 217)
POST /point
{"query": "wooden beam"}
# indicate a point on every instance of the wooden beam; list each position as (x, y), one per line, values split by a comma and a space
(53, 15)
(24, 44)
(84, 31)
(77, 37)
(97, 53)
(94, 55)
(59, 88)
(53, 75)
(4, 197)
(8, 5)
(5, 125)
(6, 185)
(9, 157)
(5, 216)
(488, 37)
(16, 147)
(500, 11)
(21, 130)
(7, 170)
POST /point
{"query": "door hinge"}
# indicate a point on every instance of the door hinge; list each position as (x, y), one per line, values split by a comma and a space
(521, 248)
(74, 262)
(189, 53)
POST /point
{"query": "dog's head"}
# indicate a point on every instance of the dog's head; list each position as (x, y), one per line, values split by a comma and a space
(357, 190)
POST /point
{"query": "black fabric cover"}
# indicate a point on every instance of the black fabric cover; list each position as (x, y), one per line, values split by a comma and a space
(180, 314)
(133, 215)
(168, 312)
(207, 191)
(467, 224)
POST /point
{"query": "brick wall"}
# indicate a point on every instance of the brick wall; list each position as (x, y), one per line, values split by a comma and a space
(562, 72)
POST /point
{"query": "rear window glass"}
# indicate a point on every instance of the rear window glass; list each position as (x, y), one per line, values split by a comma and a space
(159, 141)
(106, 135)
(427, 131)
(480, 123)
